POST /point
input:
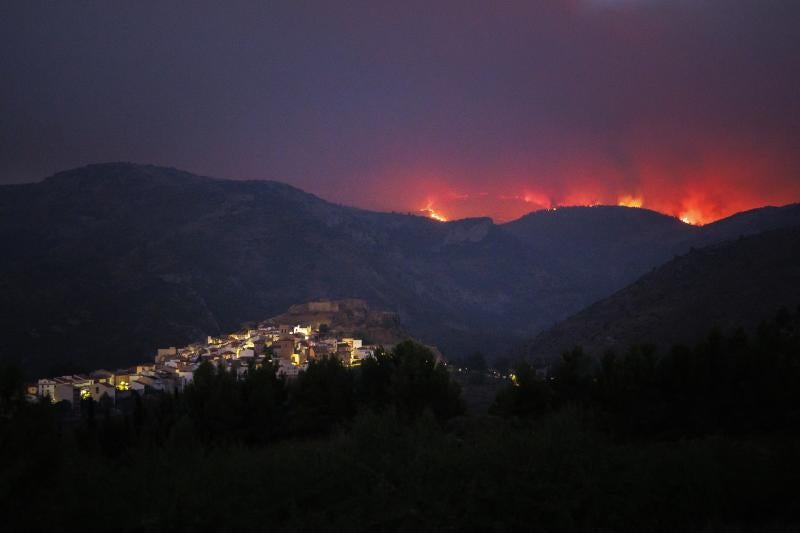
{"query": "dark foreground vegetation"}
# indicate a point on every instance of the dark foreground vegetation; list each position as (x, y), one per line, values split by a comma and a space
(698, 439)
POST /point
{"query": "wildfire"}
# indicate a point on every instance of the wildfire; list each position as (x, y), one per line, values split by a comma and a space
(694, 216)
(691, 204)
(429, 212)
(689, 217)
(630, 201)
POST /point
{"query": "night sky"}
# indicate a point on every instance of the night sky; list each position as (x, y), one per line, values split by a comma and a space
(690, 107)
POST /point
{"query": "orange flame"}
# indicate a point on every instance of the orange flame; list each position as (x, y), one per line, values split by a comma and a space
(693, 217)
(436, 216)
(429, 212)
(630, 201)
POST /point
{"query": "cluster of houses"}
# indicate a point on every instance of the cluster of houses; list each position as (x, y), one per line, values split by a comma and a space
(290, 348)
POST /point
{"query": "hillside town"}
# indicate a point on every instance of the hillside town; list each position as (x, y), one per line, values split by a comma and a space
(288, 347)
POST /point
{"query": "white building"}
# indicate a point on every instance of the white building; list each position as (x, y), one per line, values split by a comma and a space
(46, 388)
(302, 330)
(151, 382)
(97, 390)
(185, 376)
(287, 369)
(364, 352)
(66, 392)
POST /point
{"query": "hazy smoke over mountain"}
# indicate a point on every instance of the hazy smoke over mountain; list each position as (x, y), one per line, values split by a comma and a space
(481, 109)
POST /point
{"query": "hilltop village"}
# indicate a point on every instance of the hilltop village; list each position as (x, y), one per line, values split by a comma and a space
(288, 346)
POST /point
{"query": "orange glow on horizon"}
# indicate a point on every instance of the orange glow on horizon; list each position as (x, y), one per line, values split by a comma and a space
(693, 217)
(506, 207)
(429, 212)
(722, 177)
(630, 201)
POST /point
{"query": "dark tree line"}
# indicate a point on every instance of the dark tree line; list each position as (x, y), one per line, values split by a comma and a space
(735, 383)
(218, 409)
(366, 448)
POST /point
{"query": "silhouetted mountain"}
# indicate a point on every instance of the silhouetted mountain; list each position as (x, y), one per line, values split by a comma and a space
(749, 223)
(104, 263)
(608, 246)
(738, 283)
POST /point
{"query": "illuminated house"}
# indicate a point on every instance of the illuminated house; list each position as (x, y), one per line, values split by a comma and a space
(47, 388)
(81, 381)
(166, 353)
(318, 351)
(354, 343)
(247, 353)
(66, 392)
(62, 388)
(228, 352)
(145, 369)
(346, 351)
(151, 384)
(305, 331)
(364, 352)
(102, 376)
(122, 379)
(284, 349)
(289, 370)
(98, 390)
(185, 376)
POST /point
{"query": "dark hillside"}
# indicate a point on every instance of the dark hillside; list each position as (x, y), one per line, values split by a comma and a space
(724, 286)
(102, 264)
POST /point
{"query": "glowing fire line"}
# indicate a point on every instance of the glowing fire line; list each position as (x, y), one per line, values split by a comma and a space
(689, 214)
(630, 201)
(429, 212)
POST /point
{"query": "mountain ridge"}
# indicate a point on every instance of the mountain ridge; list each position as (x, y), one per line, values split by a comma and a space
(124, 258)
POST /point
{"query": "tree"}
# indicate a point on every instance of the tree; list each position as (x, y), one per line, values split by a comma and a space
(573, 377)
(374, 379)
(214, 403)
(321, 397)
(264, 400)
(419, 382)
(11, 389)
(526, 395)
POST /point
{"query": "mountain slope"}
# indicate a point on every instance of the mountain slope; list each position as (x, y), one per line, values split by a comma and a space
(610, 246)
(738, 283)
(104, 263)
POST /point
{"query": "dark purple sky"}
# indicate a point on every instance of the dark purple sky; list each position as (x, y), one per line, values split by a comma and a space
(494, 108)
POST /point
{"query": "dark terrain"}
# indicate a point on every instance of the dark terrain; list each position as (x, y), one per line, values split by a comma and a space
(104, 263)
(735, 284)
(696, 440)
